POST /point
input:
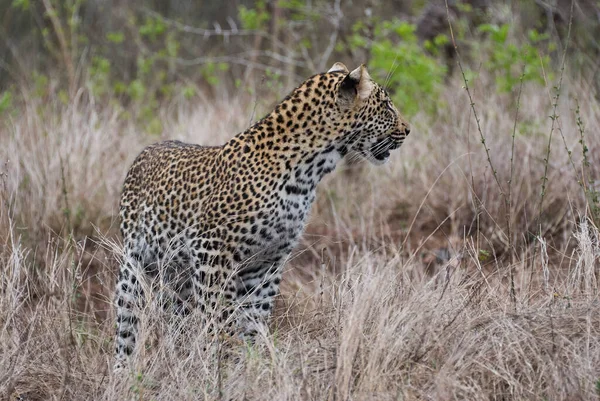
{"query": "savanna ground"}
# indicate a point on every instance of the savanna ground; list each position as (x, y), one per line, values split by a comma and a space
(451, 272)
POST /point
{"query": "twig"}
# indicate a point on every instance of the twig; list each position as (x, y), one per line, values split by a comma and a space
(589, 191)
(483, 142)
(554, 118)
(472, 104)
(65, 193)
(233, 60)
(208, 33)
(335, 21)
(510, 179)
(62, 41)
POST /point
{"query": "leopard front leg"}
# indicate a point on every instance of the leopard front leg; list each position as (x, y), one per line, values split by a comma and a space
(256, 290)
(214, 289)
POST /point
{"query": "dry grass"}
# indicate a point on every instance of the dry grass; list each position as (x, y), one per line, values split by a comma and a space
(398, 291)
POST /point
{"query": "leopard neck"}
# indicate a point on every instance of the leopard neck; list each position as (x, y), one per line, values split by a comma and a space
(302, 133)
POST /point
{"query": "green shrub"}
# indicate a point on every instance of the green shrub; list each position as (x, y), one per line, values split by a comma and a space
(413, 75)
(507, 61)
(253, 18)
(5, 101)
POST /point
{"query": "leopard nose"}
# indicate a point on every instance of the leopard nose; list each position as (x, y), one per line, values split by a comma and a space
(405, 127)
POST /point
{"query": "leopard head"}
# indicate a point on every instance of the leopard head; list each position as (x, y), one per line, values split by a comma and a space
(375, 126)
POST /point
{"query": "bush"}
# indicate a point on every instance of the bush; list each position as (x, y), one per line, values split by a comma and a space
(507, 61)
(405, 68)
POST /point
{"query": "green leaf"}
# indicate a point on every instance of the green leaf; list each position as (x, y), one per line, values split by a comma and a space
(5, 101)
(120, 87)
(152, 28)
(172, 45)
(253, 19)
(406, 31)
(115, 37)
(22, 4)
(188, 92)
(136, 89)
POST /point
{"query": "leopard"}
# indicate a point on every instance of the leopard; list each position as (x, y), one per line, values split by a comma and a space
(216, 224)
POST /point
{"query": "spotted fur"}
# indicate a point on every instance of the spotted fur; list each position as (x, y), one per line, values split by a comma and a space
(215, 224)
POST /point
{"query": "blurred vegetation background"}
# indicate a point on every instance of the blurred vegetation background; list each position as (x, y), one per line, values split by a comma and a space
(143, 53)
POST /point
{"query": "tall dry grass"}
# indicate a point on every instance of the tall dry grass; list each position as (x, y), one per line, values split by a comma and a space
(399, 289)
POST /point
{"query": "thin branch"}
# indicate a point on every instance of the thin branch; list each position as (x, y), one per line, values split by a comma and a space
(483, 141)
(509, 197)
(62, 41)
(335, 21)
(472, 104)
(554, 118)
(217, 32)
(233, 60)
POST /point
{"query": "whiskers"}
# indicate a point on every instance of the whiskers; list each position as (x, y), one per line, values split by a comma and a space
(355, 158)
(384, 144)
(390, 73)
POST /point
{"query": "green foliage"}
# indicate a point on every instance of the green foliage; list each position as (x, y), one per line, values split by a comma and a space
(149, 83)
(434, 46)
(115, 37)
(508, 60)
(40, 84)
(188, 92)
(273, 80)
(145, 64)
(99, 75)
(138, 61)
(152, 28)
(406, 69)
(298, 11)
(136, 90)
(254, 18)
(483, 255)
(210, 72)
(171, 45)
(63, 96)
(464, 7)
(22, 4)
(5, 101)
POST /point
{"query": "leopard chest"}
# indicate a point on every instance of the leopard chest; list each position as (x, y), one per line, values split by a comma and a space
(278, 226)
(283, 211)
(280, 222)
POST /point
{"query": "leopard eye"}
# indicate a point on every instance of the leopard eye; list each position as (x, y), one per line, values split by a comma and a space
(389, 105)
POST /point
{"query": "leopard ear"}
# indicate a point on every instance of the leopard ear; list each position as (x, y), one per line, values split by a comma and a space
(339, 67)
(365, 83)
(356, 88)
